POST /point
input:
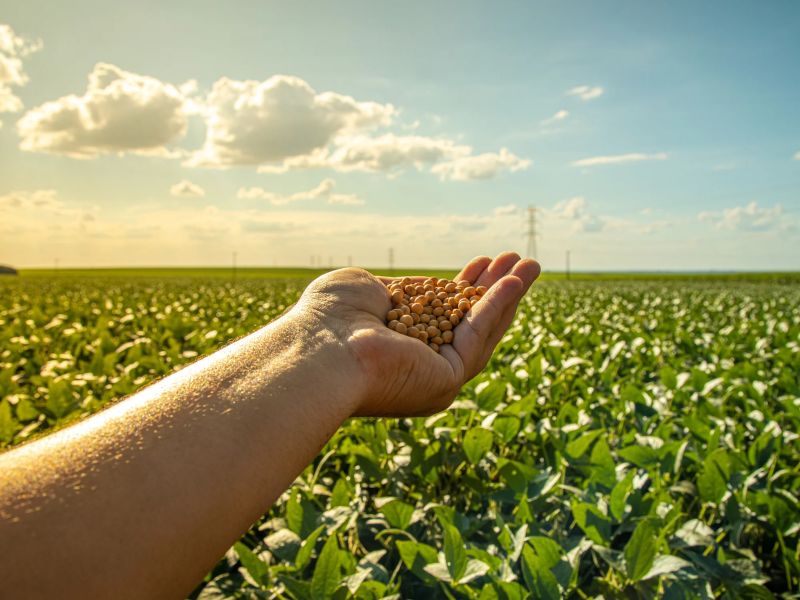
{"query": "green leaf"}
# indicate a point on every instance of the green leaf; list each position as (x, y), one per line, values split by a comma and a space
(713, 480)
(491, 395)
(327, 574)
(548, 551)
(26, 411)
(221, 587)
(695, 533)
(507, 427)
(60, 400)
(538, 578)
(397, 513)
(619, 495)
(294, 514)
(8, 426)
(578, 447)
(477, 442)
(300, 590)
(668, 377)
(475, 568)
(515, 474)
(641, 456)
(342, 493)
(304, 554)
(439, 571)
(416, 556)
(594, 523)
(455, 554)
(666, 564)
(283, 543)
(257, 568)
(301, 515)
(641, 550)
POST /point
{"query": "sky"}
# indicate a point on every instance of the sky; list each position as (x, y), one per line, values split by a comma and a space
(648, 136)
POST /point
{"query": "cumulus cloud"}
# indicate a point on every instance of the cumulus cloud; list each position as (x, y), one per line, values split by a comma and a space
(388, 153)
(391, 153)
(262, 122)
(284, 124)
(797, 155)
(276, 125)
(187, 189)
(480, 166)
(617, 159)
(13, 48)
(575, 210)
(559, 116)
(586, 92)
(323, 191)
(751, 217)
(119, 112)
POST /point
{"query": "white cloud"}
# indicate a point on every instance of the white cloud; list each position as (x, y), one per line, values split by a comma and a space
(797, 155)
(387, 153)
(751, 217)
(32, 211)
(617, 159)
(266, 122)
(13, 48)
(508, 209)
(559, 116)
(119, 112)
(277, 125)
(323, 191)
(30, 200)
(283, 124)
(480, 166)
(585, 92)
(187, 189)
(575, 210)
(390, 153)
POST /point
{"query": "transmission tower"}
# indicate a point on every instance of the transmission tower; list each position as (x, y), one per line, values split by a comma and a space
(531, 233)
(391, 260)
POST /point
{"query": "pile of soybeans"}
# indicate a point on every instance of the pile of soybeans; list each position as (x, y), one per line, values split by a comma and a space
(429, 310)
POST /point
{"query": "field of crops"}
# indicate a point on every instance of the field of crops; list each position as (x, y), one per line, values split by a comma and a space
(629, 439)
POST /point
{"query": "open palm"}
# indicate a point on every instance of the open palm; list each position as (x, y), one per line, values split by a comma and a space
(401, 375)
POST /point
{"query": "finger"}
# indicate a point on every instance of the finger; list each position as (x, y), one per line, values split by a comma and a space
(456, 363)
(474, 332)
(500, 266)
(499, 331)
(412, 278)
(474, 268)
(528, 270)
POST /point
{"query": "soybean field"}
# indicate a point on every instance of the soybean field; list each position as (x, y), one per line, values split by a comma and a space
(630, 438)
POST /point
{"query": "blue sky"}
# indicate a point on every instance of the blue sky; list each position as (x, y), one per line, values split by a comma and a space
(678, 148)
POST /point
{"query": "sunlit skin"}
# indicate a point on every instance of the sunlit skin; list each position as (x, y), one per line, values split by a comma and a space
(141, 499)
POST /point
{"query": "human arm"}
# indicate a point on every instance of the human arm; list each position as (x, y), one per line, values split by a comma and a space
(141, 499)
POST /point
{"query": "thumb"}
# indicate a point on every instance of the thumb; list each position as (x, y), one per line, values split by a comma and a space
(479, 332)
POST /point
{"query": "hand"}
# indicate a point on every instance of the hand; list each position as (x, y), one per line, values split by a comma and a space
(400, 375)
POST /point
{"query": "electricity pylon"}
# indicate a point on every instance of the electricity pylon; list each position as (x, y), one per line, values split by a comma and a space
(531, 233)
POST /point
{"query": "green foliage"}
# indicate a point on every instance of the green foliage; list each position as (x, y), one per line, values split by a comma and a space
(629, 439)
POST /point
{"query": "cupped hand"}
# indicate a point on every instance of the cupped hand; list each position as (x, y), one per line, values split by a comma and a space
(399, 375)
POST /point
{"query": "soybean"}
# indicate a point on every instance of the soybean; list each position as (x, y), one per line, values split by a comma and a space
(429, 310)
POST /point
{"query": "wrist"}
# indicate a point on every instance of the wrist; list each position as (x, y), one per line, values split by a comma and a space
(318, 350)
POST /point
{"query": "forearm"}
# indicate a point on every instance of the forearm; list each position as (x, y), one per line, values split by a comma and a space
(142, 499)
